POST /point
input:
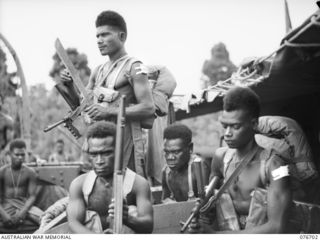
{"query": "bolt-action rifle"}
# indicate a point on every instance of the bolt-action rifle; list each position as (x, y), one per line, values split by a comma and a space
(118, 169)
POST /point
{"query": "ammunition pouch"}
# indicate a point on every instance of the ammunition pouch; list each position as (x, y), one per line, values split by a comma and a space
(102, 94)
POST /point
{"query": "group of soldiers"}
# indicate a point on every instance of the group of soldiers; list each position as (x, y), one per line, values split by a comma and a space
(258, 200)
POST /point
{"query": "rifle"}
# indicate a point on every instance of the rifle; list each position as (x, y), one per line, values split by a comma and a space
(87, 98)
(206, 203)
(199, 205)
(199, 177)
(118, 169)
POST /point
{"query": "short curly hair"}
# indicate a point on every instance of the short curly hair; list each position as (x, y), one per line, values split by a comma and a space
(101, 129)
(113, 19)
(17, 143)
(242, 98)
(178, 131)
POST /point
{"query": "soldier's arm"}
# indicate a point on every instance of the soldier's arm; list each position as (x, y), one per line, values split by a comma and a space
(141, 87)
(143, 222)
(32, 187)
(92, 78)
(217, 164)
(279, 200)
(3, 214)
(76, 210)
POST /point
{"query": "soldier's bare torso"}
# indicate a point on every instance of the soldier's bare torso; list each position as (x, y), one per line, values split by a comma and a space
(248, 180)
(16, 182)
(100, 199)
(178, 182)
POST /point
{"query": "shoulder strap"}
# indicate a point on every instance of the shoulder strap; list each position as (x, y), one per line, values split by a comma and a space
(242, 164)
(128, 181)
(88, 185)
(228, 156)
(190, 183)
(167, 171)
(102, 78)
(114, 80)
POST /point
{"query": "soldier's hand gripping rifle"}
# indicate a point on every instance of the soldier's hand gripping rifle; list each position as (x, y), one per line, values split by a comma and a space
(208, 201)
(204, 199)
(76, 108)
(118, 169)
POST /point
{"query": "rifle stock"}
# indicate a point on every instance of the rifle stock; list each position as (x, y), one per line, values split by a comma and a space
(119, 170)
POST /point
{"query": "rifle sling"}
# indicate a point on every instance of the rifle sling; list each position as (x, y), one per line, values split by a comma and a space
(243, 163)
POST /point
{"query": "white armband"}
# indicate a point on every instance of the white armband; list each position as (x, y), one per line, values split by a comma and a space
(280, 172)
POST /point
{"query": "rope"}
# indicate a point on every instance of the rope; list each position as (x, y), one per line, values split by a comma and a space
(301, 45)
(313, 21)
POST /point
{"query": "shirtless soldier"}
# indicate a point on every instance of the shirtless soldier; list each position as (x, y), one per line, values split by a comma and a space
(90, 202)
(18, 192)
(120, 75)
(238, 210)
(178, 178)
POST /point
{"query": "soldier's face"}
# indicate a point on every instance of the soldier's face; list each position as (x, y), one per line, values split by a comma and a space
(109, 39)
(176, 153)
(60, 147)
(18, 156)
(239, 128)
(101, 155)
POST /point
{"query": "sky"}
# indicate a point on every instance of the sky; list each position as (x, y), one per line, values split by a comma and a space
(176, 33)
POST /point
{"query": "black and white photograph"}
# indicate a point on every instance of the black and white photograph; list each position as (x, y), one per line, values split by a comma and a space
(159, 117)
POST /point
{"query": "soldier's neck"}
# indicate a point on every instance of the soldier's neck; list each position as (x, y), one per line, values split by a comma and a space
(241, 152)
(114, 57)
(107, 179)
(16, 168)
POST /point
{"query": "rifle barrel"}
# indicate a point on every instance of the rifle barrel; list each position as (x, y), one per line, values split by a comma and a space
(48, 128)
(118, 169)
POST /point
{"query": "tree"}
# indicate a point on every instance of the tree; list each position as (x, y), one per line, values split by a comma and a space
(219, 67)
(49, 107)
(80, 62)
(7, 87)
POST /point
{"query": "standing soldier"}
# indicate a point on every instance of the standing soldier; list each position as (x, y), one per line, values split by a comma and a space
(120, 76)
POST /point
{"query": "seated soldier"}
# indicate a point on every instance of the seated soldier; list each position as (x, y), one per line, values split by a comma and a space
(259, 198)
(178, 178)
(18, 193)
(90, 202)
